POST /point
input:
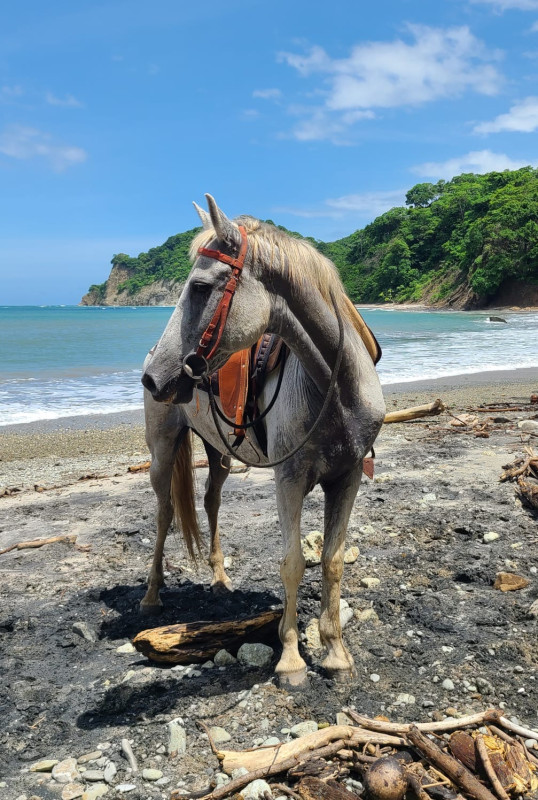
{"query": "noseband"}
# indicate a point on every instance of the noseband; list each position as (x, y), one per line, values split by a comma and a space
(195, 363)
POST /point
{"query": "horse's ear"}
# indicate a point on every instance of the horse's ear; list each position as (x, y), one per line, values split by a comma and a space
(226, 230)
(204, 216)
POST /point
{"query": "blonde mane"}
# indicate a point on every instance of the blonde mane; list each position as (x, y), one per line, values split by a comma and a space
(304, 265)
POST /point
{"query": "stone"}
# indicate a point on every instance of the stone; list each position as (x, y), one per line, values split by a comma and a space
(239, 772)
(219, 735)
(271, 741)
(533, 610)
(429, 497)
(346, 614)
(528, 426)
(256, 790)
(313, 641)
(66, 771)
(151, 774)
(448, 685)
(484, 686)
(93, 756)
(45, 765)
(110, 772)
(177, 738)
(255, 654)
(351, 554)
(490, 536)
(221, 779)
(84, 630)
(228, 562)
(370, 582)
(72, 790)
(343, 719)
(510, 582)
(405, 699)
(223, 659)
(531, 744)
(95, 791)
(367, 615)
(374, 677)
(125, 787)
(126, 649)
(303, 728)
(94, 775)
(312, 548)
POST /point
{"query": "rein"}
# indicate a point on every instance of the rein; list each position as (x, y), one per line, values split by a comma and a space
(304, 440)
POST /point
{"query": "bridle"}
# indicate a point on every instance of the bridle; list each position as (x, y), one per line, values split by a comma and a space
(196, 365)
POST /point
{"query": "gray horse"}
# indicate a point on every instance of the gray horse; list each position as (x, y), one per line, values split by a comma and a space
(288, 288)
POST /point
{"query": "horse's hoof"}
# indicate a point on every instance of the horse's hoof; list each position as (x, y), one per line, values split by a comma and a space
(221, 589)
(342, 676)
(150, 611)
(292, 680)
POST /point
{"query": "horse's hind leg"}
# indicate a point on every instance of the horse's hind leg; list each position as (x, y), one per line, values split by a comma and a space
(339, 499)
(219, 469)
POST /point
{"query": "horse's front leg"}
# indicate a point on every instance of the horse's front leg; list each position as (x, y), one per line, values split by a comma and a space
(339, 499)
(219, 469)
(291, 669)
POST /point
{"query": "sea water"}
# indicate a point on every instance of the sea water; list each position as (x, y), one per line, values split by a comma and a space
(58, 361)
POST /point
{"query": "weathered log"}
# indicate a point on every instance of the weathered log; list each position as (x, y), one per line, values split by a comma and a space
(463, 748)
(191, 642)
(489, 770)
(449, 724)
(311, 788)
(299, 748)
(457, 773)
(68, 538)
(415, 412)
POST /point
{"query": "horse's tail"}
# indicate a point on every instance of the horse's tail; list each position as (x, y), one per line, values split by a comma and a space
(182, 494)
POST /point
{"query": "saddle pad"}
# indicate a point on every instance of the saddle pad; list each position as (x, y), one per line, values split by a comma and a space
(233, 387)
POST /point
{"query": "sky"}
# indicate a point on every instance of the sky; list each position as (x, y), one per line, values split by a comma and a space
(115, 115)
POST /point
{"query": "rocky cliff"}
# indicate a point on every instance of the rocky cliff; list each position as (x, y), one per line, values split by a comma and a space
(114, 292)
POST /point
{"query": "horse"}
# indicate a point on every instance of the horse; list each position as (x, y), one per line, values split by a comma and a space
(287, 287)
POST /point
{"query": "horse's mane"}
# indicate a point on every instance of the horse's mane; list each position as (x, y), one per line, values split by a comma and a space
(304, 265)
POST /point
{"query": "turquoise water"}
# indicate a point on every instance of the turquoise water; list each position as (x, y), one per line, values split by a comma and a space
(59, 361)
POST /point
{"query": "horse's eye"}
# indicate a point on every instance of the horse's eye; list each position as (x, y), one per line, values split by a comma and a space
(201, 287)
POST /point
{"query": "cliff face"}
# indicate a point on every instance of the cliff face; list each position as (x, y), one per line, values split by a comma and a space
(159, 293)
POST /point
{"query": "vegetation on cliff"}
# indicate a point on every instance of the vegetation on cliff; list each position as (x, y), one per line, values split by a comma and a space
(459, 238)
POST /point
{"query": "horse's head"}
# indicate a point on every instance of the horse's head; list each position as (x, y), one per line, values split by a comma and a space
(179, 360)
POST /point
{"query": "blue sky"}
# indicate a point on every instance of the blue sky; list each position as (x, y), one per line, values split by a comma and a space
(114, 116)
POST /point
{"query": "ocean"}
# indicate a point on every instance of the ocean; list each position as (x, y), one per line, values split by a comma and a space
(59, 361)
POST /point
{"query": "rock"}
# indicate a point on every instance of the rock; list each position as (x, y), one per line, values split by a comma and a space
(45, 765)
(151, 774)
(72, 791)
(84, 630)
(429, 497)
(208, 665)
(312, 548)
(221, 779)
(126, 649)
(343, 719)
(95, 791)
(125, 787)
(313, 641)
(497, 319)
(239, 772)
(94, 775)
(93, 756)
(509, 582)
(177, 738)
(66, 771)
(228, 561)
(448, 685)
(219, 735)
(533, 610)
(271, 741)
(532, 744)
(528, 426)
(255, 655)
(370, 582)
(484, 686)
(490, 536)
(405, 699)
(367, 615)
(351, 554)
(367, 530)
(346, 614)
(302, 728)
(223, 658)
(256, 790)
(374, 677)
(110, 772)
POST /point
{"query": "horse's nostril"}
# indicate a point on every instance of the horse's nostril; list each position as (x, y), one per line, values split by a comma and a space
(149, 383)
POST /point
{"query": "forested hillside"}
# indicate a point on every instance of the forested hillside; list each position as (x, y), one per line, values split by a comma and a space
(456, 242)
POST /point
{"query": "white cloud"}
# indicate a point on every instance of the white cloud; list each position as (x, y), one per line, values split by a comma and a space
(9, 92)
(267, 94)
(67, 102)
(436, 63)
(477, 161)
(367, 204)
(17, 141)
(522, 117)
(504, 5)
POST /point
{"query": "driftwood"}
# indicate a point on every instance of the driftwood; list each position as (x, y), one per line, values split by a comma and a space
(191, 642)
(488, 768)
(415, 412)
(528, 493)
(311, 788)
(449, 724)
(522, 466)
(68, 538)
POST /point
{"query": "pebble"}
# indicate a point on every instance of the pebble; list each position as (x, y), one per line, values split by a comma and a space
(367, 530)
(271, 741)
(223, 658)
(84, 630)
(219, 735)
(429, 497)
(72, 790)
(126, 649)
(405, 699)
(532, 744)
(255, 655)
(228, 562)
(343, 719)
(256, 790)
(125, 787)
(533, 610)
(208, 665)
(374, 677)
(490, 536)
(312, 547)
(95, 791)
(346, 613)
(351, 554)
(367, 615)
(302, 728)
(239, 772)
(110, 772)
(370, 582)
(528, 426)
(448, 685)
(93, 756)
(94, 775)
(66, 771)
(151, 774)
(45, 765)
(177, 737)
(313, 641)
(221, 779)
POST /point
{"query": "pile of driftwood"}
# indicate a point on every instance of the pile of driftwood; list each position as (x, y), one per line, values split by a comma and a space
(487, 761)
(524, 471)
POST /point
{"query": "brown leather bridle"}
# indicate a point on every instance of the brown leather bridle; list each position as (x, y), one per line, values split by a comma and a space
(195, 363)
